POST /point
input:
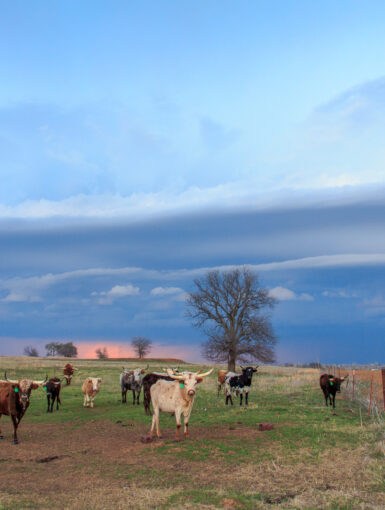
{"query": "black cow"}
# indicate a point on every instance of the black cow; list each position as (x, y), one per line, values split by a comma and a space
(330, 385)
(148, 381)
(239, 384)
(52, 388)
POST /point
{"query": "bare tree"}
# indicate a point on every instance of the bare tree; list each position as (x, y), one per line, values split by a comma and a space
(102, 353)
(31, 351)
(141, 345)
(232, 308)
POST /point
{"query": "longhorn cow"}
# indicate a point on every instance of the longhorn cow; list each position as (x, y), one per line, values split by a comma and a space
(14, 400)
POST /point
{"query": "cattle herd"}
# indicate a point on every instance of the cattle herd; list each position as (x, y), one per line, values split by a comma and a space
(170, 391)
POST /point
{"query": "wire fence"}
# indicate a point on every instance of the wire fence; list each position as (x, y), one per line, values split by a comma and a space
(364, 386)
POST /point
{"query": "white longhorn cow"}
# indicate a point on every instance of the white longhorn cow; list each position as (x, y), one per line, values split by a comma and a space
(175, 397)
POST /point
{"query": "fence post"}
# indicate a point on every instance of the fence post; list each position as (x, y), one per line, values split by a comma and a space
(354, 381)
(383, 384)
(371, 395)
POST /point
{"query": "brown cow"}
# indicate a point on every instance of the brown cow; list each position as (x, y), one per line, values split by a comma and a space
(90, 389)
(14, 400)
(68, 372)
(330, 385)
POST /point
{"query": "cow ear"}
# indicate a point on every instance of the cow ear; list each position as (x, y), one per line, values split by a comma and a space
(35, 386)
(199, 379)
(142, 371)
(99, 380)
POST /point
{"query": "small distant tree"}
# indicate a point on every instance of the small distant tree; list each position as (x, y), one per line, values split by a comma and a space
(51, 349)
(31, 351)
(231, 307)
(141, 345)
(68, 350)
(102, 353)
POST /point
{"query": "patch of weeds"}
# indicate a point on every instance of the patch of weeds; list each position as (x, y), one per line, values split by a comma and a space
(196, 497)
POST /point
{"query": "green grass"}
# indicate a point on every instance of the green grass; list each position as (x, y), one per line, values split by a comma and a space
(224, 439)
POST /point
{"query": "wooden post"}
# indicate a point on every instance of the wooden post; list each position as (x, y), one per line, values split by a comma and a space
(371, 395)
(383, 384)
(354, 383)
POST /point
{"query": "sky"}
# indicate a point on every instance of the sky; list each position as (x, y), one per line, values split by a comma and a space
(143, 144)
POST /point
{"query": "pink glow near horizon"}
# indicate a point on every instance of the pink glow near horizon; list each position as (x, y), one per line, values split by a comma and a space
(123, 350)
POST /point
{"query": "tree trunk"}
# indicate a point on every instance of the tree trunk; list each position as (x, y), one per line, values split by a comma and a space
(231, 363)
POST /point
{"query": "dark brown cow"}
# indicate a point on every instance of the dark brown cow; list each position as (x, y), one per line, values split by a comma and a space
(330, 384)
(14, 400)
(68, 372)
(148, 381)
(52, 388)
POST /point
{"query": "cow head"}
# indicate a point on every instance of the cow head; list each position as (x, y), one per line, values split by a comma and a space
(336, 382)
(24, 387)
(95, 383)
(68, 379)
(189, 380)
(248, 371)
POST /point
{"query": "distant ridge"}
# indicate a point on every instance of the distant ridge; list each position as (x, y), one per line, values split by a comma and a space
(144, 360)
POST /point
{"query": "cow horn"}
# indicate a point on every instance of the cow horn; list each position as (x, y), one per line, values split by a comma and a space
(206, 373)
(173, 376)
(9, 380)
(41, 382)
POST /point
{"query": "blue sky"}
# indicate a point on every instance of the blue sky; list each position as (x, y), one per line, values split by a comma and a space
(141, 145)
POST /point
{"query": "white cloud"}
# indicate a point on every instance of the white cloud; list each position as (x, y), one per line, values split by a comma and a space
(339, 294)
(116, 292)
(284, 294)
(166, 291)
(374, 306)
(323, 190)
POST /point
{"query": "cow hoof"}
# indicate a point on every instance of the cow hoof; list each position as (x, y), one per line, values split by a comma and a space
(16, 441)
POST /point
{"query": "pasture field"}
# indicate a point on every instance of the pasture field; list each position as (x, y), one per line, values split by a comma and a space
(93, 459)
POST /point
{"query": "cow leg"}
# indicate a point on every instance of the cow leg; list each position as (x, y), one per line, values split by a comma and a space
(326, 398)
(133, 396)
(138, 395)
(334, 400)
(53, 402)
(247, 398)
(48, 401)
(219, 389)
(186, 417)
(178, 424)
(240, 399)
(124, 396)
(92, 400)
(155, 423)
(15, 425)
(86, 400)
